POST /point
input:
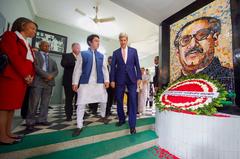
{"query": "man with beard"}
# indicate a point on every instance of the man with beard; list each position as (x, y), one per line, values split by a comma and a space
(195, 43)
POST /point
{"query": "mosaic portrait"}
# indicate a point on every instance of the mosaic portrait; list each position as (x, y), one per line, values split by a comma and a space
(202, 43)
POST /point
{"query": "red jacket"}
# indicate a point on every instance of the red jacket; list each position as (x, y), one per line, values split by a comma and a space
(12, 83)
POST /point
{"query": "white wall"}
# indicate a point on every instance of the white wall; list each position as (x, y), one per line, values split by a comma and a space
(12, 9)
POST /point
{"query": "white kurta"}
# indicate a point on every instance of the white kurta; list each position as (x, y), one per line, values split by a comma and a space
(148, 78)
(92, 92)
(142, 94)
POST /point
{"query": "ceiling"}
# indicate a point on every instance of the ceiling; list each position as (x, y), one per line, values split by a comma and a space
(139, 19)
(154, 10)
(62, 11)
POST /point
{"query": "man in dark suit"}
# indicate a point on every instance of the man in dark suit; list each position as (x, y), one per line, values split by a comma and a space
(93, 108)
(110, 91)
(41, 88)
(156, 82)
(125, 72)
(68, 63)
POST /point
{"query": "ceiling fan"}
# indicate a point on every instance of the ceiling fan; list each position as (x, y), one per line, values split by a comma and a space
(96, 19)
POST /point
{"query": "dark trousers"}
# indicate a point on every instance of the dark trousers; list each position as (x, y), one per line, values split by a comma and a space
(93, 107)
(42, 96)
(110, 100)
(24, 108)
(132, 106)
(129, 103)
(150, 102)
(69, 95)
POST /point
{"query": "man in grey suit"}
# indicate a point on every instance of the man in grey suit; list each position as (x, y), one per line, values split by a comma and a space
(41, 88)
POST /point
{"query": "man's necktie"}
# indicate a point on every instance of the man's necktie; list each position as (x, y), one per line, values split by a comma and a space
(124, 54)
(46, 62)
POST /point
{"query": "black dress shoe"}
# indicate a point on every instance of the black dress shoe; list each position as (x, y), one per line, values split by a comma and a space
(120, 123)
(86, 114)
(76, 132)
(132, 130)
(69, 119)
(30, 127)
(108, 114)
(95, 113)
(44, 123)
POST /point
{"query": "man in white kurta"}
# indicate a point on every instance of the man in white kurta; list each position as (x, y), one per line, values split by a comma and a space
(92, 88)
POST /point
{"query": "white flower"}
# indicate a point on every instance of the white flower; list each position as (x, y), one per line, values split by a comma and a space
(198, 103)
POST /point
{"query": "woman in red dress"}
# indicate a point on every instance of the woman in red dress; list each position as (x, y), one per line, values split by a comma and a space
(16, 76)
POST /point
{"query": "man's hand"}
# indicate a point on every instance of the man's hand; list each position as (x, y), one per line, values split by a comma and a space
(34, 50)
(28, 79)
(75, 88)
(139, 83)
(113, 85)
(50, 77)
(106, 84)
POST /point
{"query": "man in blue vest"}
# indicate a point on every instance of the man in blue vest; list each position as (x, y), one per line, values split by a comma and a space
(90, 81)
(125, 72)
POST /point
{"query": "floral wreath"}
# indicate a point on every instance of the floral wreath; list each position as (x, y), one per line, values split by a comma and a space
(195, 93)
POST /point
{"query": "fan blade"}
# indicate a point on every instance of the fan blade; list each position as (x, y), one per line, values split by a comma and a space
(80, 12)
(102, 20)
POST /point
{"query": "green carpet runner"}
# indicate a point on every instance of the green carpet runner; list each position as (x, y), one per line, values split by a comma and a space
(101, 148)
(32, 141)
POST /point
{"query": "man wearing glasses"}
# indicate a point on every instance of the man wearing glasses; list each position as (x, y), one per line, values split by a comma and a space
(195, 43)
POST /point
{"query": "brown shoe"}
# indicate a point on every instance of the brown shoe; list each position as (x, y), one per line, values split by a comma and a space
(104, 120)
